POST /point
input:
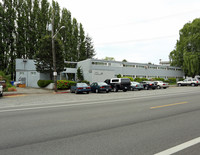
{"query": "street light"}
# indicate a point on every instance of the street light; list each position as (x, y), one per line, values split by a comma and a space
(53, 53)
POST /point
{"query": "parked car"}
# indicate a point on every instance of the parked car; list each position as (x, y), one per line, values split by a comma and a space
(161, 84)
(80, 88)
(149, 85)
(100, 87)
(1, 90)
(119, 84)
(188, 82)
(136, 86)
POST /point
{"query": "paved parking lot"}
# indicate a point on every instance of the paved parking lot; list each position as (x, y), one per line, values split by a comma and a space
(36, 96)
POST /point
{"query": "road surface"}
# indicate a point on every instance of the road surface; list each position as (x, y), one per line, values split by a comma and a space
(146, 124)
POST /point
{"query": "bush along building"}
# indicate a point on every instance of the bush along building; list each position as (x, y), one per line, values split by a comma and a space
(95, 70)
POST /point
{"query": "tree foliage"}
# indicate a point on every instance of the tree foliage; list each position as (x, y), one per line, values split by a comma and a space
(44, 58)
(80, 74)
(24, 23)
(187, 51)
(109, 58)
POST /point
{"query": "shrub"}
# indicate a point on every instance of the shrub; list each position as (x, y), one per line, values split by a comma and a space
(65, 84)
(131, 78)
(140, 79)
(44, 83)
(172, 80)
(180, 79)
(158, 79)
(119, 76)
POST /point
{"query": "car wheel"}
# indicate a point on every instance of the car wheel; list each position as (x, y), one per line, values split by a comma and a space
(88, 92)
(179, 84)
(115, 89)
(96, 90)
(192, 84)
(146, 88)
(107, 91)
(132, 89)
(124, 90)
(159, 87)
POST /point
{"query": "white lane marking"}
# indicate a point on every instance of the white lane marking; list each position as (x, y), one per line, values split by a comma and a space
(180, 147)
(74, 103)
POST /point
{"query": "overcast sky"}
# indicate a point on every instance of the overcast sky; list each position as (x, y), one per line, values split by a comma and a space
(136, 30)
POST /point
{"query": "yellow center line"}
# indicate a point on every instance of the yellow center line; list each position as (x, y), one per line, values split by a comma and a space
(15, 96)
(168, 105)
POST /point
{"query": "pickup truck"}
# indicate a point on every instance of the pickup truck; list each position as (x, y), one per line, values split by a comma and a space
(119, 84)
(188, 82)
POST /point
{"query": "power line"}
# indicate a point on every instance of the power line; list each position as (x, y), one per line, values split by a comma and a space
(153, 19)
(136, 40)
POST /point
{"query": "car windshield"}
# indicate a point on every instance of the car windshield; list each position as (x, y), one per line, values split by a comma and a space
(81, 85)
(101, 83)
(134, 83)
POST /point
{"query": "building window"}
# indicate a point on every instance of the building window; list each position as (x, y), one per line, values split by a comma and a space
(99, 63)
(21, 73)
(153, 67)
(172, 69)
(124, 65)
(139, 66)
(164, 68)
(33, 73)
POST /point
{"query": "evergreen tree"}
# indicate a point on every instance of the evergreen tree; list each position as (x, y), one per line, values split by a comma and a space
(82, 44)
(44, 58)
(66, 34)
(2, 45)
(74, 46)
(90, 52)
(9, 35)
(23, 24)
(20, 35)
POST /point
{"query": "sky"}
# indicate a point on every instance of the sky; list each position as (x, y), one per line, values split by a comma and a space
(140, 31)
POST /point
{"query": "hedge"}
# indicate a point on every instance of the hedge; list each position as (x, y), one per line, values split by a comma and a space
(140, 79)
(65, 84)
(44, 83)
(131, 78)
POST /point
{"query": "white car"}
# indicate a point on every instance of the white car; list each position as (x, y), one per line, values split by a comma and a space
(1, 90)
(161, 84)
(188, 82)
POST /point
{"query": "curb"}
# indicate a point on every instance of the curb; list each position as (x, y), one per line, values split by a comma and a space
(61, 92)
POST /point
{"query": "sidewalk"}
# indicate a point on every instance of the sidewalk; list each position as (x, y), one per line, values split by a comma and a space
(29, 90)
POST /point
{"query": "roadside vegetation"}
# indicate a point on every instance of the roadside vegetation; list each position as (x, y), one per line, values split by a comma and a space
(187, 50)
(5, 81)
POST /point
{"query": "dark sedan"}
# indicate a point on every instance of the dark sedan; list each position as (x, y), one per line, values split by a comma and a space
(149, 85)
(80, 88)
(100, 87)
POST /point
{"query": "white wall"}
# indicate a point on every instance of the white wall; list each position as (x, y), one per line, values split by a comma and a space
(101, 75)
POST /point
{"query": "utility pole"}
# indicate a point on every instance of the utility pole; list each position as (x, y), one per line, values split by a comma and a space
(53, 53)
(53, 50)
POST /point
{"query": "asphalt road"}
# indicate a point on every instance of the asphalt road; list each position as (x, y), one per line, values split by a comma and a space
(128, 124)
